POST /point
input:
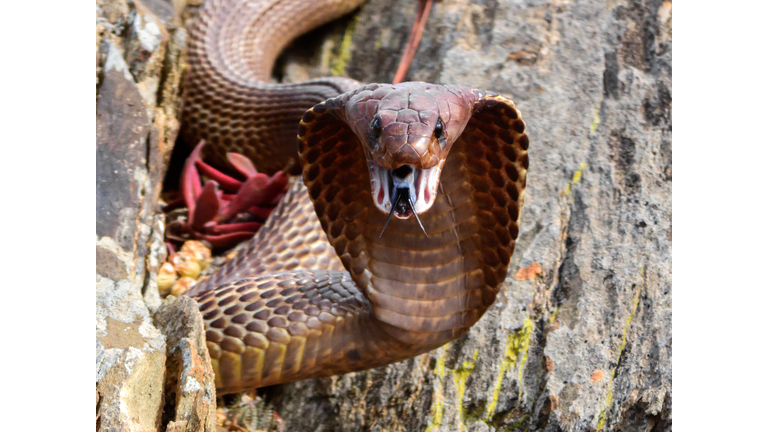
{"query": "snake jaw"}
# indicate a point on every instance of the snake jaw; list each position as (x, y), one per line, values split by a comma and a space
(421, 185)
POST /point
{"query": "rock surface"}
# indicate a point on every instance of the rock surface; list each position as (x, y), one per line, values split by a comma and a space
(579, 339)
(190, 391)
(137, 75)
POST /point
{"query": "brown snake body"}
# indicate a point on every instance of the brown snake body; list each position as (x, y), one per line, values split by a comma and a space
(318, 292)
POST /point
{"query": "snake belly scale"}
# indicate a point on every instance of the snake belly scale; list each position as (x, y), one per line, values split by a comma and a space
(318, 292)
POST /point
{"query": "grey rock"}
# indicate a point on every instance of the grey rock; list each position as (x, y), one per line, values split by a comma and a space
(164, 10)
(145, 45)
(190, 388)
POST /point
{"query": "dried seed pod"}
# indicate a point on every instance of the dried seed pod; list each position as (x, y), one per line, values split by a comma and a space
(221, 417)
(201, 253)
(186, 264)
(182, 285)
(166, 277)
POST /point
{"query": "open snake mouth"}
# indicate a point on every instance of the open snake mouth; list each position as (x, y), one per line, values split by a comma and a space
(405, 191)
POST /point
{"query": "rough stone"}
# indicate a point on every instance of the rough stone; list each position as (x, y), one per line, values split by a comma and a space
(130, 358)
(131, 143)
(190, 387)
(130, 352)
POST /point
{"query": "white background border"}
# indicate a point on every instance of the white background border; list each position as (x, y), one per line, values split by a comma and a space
(720, 154)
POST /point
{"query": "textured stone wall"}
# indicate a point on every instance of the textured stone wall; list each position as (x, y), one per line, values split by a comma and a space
(138, 69)
(580, 336)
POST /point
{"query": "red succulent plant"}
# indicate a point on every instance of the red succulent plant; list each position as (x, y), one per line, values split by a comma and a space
(224, 210)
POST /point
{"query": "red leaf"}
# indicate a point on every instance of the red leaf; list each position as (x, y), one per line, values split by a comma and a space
(253, 192)
(207, 206)
(190, 179)
(224, 180)
(260, 212)
(251, 227)
(176, 203)
(225, 240)
(242, 164)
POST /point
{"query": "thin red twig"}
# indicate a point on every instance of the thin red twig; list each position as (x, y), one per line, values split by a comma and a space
(413, 40)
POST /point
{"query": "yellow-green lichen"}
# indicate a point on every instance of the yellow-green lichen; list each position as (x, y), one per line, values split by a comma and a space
(460, 376)
(627, 322)
(596, 119)
(526, 342)
(595, 122)
(519, 423)
(575, 179)
(380, 41)
(577, 174)
(517, 343)
(345, 50)
(554, 316)
(438, 403)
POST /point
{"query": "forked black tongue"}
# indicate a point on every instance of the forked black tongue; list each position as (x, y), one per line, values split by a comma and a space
(410, 204)
(400, 193)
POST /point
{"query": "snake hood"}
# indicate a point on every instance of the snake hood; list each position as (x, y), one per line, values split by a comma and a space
(398, 138)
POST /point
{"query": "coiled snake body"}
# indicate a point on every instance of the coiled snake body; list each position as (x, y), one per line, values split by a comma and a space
(321, 290)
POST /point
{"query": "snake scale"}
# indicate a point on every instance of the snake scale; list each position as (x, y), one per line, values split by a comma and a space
(321, 289)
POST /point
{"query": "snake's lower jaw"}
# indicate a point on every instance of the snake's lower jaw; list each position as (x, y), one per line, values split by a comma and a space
(421, 185)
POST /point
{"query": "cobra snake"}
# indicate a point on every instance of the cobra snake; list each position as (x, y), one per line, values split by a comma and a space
(321, 290)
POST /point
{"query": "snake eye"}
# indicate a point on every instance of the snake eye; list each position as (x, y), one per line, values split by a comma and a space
(376, 126)
(439, 128)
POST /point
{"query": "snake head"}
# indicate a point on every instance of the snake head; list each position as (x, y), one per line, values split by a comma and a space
(397, 139)
(407, 131)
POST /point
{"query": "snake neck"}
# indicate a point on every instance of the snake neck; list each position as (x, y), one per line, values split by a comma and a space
(228, 100)
(242, 38)
(423, 291)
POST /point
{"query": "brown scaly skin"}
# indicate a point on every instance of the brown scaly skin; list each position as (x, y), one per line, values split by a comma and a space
(319, 293)
(228, 100)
